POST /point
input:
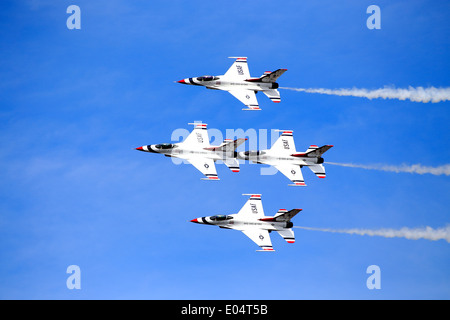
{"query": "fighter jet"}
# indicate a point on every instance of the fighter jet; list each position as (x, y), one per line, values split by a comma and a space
(254, 224)
(284, 157)
(240, 84)
(197, 150)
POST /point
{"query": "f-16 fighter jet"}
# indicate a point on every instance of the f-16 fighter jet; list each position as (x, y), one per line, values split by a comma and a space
(284, 157)
(254, 224)
(197, 150)
(238, 82)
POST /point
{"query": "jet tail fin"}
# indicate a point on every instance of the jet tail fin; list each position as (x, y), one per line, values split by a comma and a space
(228, 145)
(272, 76)
(315, 151)
(283, 215)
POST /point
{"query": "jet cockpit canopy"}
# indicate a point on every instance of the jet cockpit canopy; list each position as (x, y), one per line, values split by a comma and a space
(164, 146)
(220, 217)
(207, 78)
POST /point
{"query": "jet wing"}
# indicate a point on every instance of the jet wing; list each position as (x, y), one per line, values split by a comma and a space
(260, 237)
(205, 166)
(285, 144)
(253, 207)
(198, 138)
(247, 97)
(239, 69)
(292, 172)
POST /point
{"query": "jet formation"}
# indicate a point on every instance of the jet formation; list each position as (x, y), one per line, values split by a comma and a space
(254, 224)
(238, 82)
(197, 150)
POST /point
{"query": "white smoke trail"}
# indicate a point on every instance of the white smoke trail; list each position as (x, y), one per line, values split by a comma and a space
(415, 168)
(419, 94)
(427, 233)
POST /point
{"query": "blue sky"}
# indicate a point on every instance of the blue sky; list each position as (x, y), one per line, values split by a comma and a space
(76, 102)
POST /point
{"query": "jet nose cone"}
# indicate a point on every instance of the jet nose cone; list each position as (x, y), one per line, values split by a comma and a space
(140, 148)
(181, 81)
(195, 220)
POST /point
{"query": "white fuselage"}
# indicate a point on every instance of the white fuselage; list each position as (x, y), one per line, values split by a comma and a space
(227, 84)
(266, 156)
(233, 221)
(177, 151)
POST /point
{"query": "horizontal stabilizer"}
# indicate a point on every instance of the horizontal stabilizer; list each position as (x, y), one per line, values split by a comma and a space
(287, 235)
(273, 94)
(232, 164)
(318, 169)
